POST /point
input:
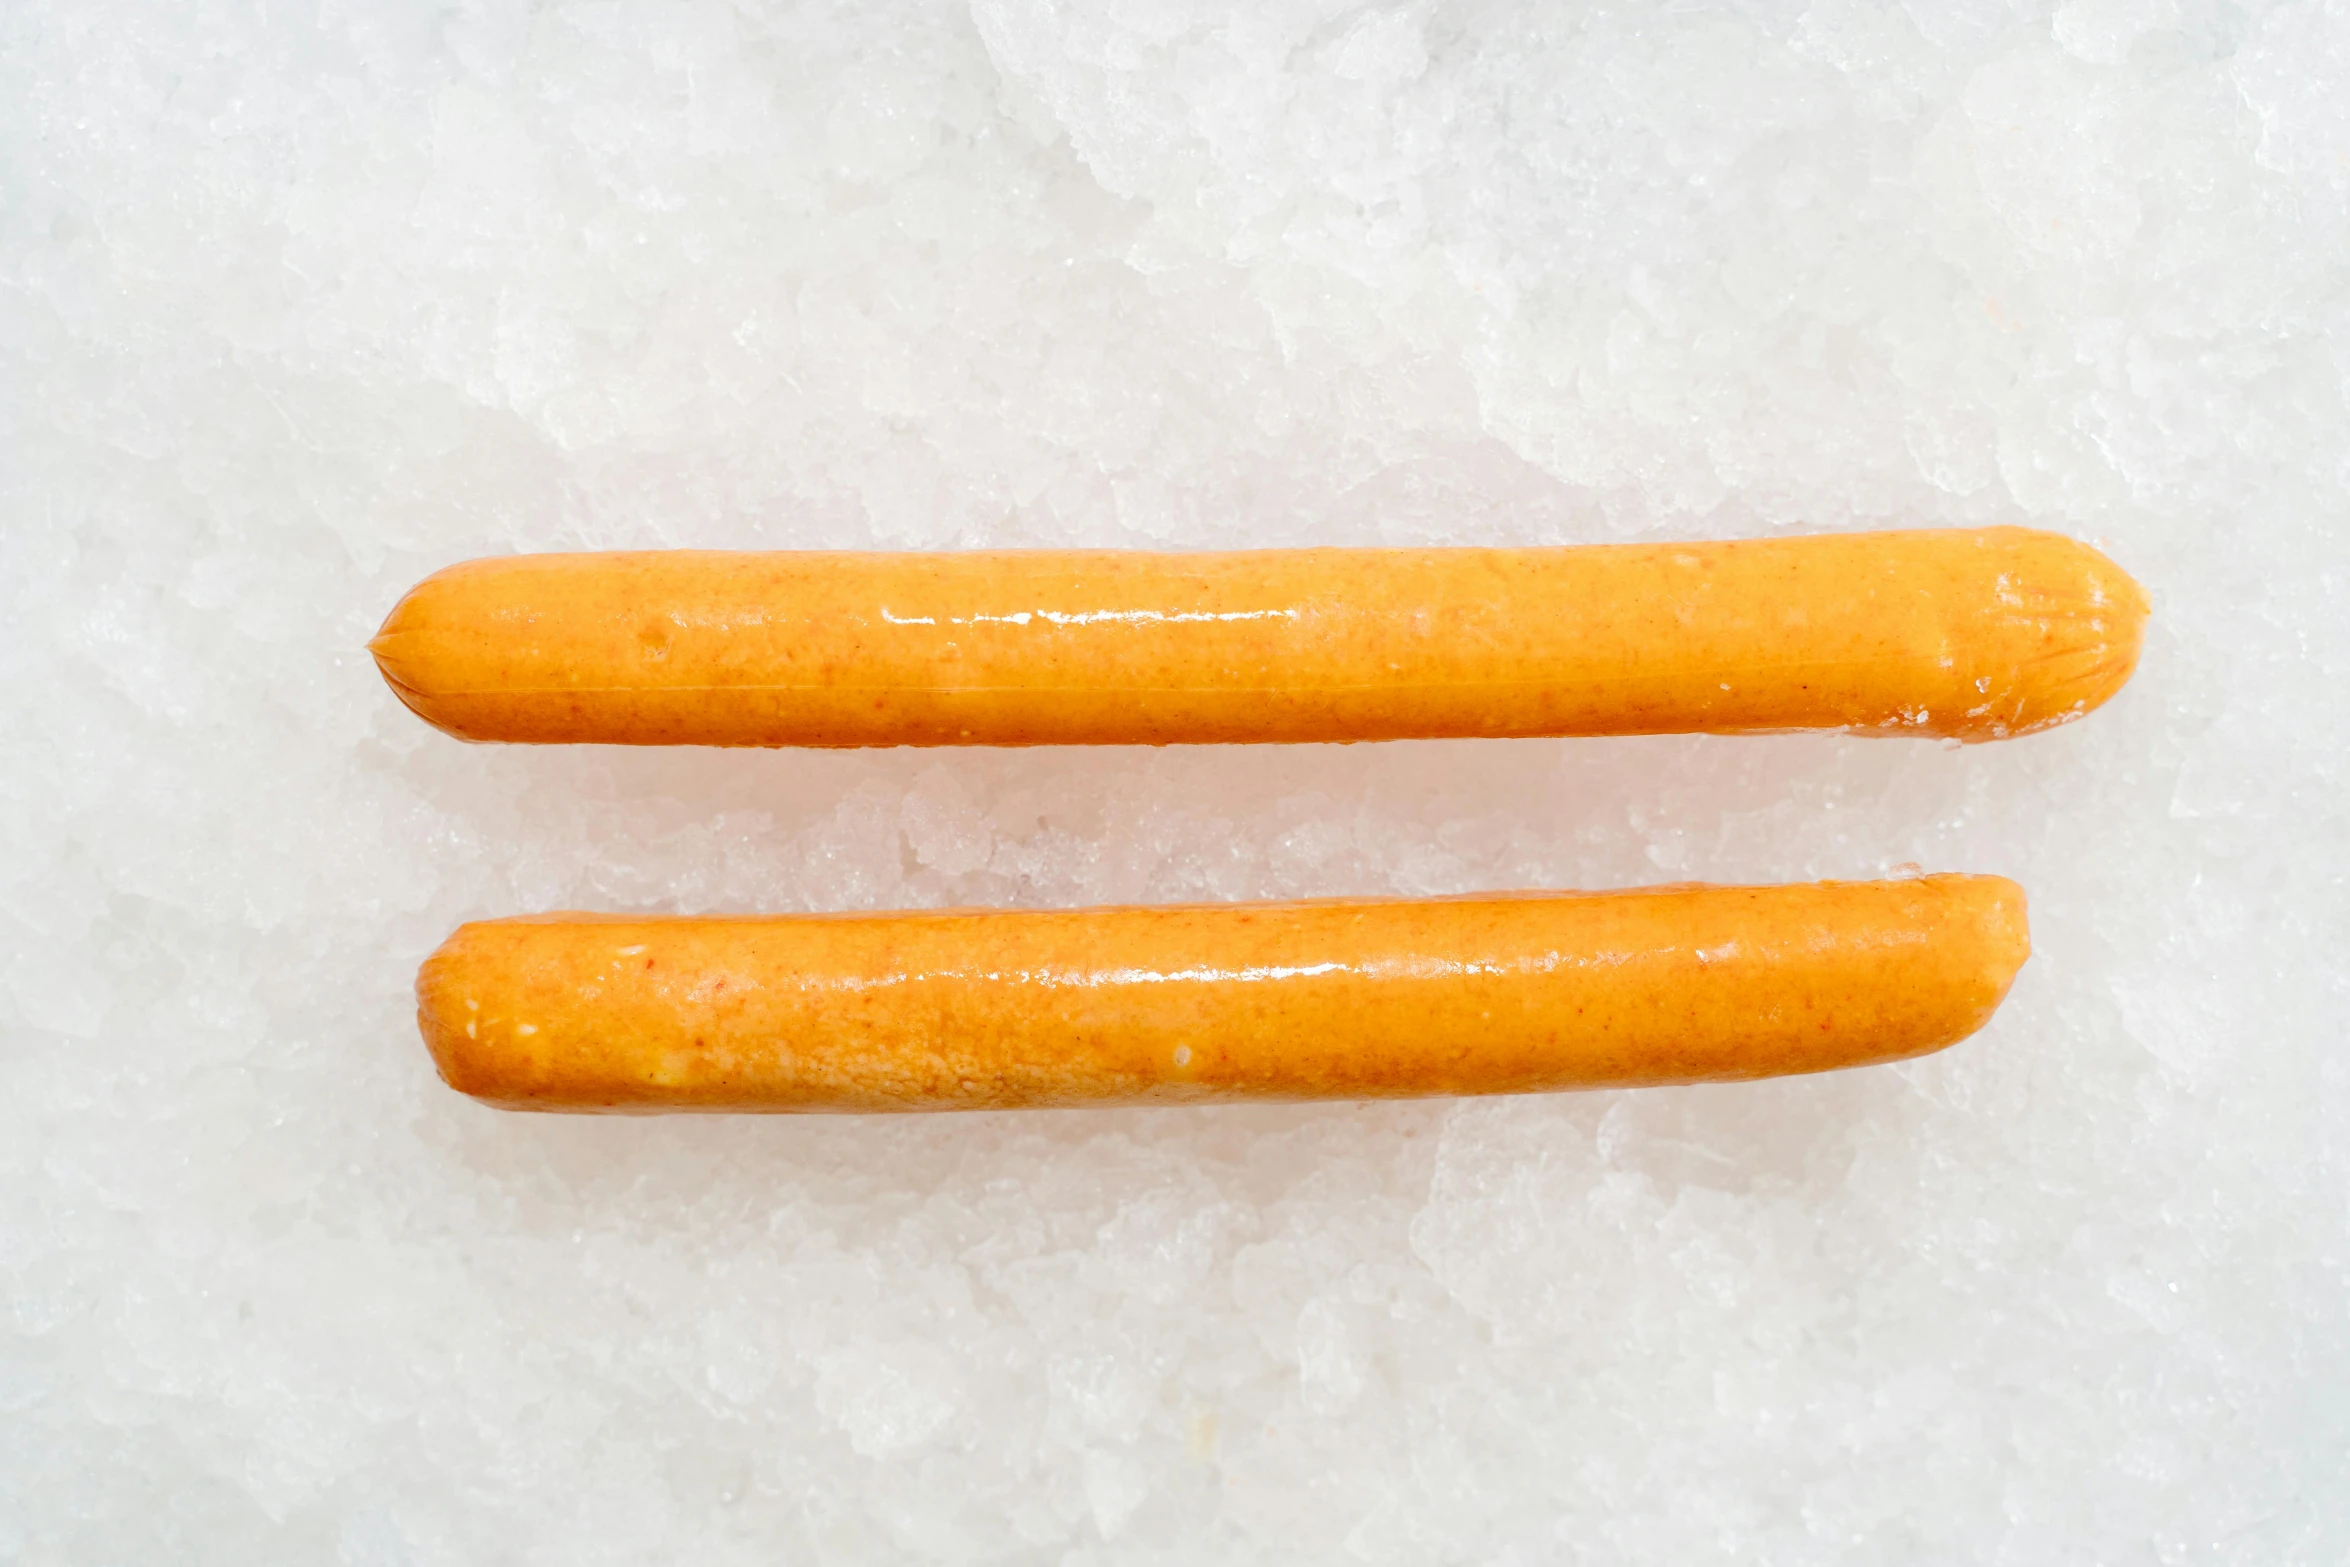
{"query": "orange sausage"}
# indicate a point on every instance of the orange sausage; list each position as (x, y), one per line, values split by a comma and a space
(1973, 634)
(1349, 999)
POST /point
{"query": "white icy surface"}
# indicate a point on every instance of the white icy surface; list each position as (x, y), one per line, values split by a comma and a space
(298, 303)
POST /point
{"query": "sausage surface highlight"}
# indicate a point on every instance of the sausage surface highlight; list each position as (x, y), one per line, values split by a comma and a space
(1344, 999)
(1976, 634)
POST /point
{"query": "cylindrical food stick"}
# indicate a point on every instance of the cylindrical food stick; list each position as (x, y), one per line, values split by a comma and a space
(1349, 999)
(1974, 634)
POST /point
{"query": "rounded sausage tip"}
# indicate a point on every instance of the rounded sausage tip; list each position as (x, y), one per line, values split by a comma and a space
(406, 668)
(2075, 625)
(2007, 941)
(452, 1032)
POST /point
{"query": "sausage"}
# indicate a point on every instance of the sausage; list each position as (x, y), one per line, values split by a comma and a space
(1344, 999)
(1974, 634)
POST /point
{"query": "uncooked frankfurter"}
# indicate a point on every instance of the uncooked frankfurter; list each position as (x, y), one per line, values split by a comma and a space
(1973, 634)
(1328, 1000)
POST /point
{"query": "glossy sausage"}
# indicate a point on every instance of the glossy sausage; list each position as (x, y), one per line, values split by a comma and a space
(1973, 634)
(1329, 1000)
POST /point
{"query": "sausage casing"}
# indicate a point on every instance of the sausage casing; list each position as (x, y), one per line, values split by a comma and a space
(1342, 999)
(1973, 634)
